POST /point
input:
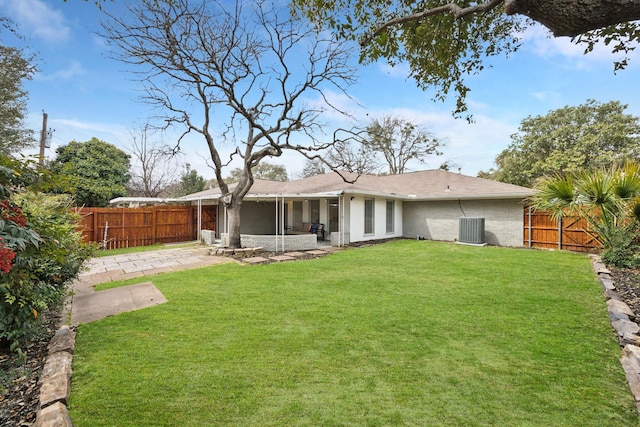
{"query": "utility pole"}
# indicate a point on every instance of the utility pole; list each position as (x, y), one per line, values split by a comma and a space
(45, 137)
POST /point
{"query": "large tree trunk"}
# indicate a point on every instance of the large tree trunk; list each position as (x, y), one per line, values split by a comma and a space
(573, 17)
(233, 221)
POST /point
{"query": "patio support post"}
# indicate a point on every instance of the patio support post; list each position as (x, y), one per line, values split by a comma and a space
(226, 221)
(282, 224)
(340, 220)
(276, 234)
(199, 220)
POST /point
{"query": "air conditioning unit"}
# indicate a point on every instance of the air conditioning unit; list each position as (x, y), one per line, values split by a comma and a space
(471, 231)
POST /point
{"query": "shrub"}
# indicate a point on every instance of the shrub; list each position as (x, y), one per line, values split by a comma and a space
(623, 248)
(41, 253)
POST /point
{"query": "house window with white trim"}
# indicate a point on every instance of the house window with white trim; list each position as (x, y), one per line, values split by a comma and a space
(390, 216)
(368, 216)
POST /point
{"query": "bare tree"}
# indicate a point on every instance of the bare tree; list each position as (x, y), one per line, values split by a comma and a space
(351, 153)
(264, 170)
(400, 141)
(249, 67)
(390, 143)
(312, 168)
(155, 166)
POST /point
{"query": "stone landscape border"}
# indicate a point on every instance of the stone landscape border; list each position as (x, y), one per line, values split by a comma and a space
(55, 380)
(624, 323)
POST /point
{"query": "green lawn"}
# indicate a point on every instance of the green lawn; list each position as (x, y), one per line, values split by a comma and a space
(407, 333)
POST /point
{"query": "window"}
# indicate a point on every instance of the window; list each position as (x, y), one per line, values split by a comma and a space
(297, 215)
(314, 211)
(334, 216)
(368, 216)
(390, 216)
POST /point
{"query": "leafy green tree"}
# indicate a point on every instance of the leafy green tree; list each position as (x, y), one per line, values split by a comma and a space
(568, 140)
(262, 171)
(95, 171)
(16, 66)
(444, 42)
(608, 198)
(190, 182)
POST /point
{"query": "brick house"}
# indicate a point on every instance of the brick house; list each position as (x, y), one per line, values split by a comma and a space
(428, 204)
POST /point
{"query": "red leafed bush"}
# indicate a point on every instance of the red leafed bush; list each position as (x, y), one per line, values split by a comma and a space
(10, 212)
(41, 251)
(6, 258)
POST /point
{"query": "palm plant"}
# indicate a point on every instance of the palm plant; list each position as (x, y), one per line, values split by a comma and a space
(609, 199)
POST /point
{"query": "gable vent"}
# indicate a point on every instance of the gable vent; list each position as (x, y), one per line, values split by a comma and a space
(471, 231)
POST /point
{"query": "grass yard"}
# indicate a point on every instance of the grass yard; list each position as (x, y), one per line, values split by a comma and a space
(409, 333)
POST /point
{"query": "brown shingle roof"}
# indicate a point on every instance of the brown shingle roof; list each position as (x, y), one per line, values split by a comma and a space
(424, 185)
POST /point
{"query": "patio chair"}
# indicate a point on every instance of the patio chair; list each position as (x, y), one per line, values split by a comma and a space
(317, 229)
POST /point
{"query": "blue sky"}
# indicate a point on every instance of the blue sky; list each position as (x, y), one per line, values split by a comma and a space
(86, 94)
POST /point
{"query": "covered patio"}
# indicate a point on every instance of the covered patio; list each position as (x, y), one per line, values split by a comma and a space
(281, 222)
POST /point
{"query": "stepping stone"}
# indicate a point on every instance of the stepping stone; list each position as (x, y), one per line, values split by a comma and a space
(255, 260)
(316, 252)
(281, 258)
(98, 305)
(295, 254)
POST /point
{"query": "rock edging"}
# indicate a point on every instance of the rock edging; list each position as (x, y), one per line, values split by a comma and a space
(55, 381)
(624, 323)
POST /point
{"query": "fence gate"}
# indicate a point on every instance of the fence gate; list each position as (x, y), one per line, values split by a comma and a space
(568, 233)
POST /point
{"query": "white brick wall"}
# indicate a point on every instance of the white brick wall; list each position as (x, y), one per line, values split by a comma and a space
(208, 237)
(441, 220)
(292, 242)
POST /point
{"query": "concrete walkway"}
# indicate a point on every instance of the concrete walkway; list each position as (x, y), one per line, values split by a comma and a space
(88, 305)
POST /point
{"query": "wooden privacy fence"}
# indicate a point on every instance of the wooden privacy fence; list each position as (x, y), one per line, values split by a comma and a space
(569, 233)
(129, 227)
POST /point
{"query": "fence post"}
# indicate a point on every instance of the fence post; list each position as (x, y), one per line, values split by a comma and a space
(560, 233)
(96, 234)
(154, 225)
(530, 226)
(190, 221)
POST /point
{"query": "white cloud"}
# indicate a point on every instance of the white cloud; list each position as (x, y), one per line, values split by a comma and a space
(66, 130)
(74, 69)
(471, 146)
(38, 18)
(539, 40)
